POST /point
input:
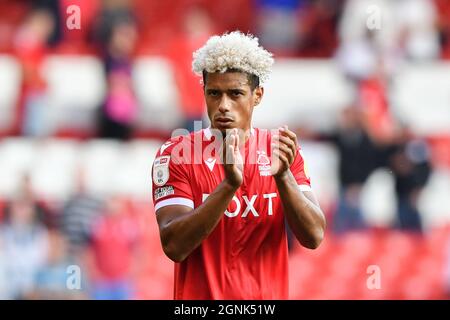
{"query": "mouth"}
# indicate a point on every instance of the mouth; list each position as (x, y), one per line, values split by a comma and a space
(224, 121)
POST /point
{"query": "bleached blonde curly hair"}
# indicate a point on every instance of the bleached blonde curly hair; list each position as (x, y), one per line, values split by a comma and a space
(233, 51)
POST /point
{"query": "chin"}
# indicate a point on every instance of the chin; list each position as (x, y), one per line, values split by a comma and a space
(225, 126)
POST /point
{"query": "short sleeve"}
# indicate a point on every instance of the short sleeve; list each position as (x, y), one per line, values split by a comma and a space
(170, 181)
(300, 171)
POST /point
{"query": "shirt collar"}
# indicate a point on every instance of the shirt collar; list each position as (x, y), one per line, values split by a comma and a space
(208, 134)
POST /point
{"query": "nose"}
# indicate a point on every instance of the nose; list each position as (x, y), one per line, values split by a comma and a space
(225, 104)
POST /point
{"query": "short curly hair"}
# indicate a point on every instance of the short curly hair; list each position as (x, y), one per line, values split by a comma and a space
(233, 51)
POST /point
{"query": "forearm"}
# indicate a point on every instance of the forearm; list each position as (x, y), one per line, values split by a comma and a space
(186, 232)
(304, 217)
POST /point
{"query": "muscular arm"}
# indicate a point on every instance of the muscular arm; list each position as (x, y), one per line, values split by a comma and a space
(182, 229)
(302, 211)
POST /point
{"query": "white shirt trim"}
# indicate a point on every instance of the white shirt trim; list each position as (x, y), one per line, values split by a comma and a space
(304, 187)
(175, 201)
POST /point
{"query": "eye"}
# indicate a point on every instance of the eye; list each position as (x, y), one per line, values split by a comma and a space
(213, 93)
(236, 93)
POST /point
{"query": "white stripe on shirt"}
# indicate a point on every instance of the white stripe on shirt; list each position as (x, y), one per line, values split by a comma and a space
(175, 201)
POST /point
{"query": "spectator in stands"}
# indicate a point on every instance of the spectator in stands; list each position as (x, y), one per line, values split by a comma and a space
(51, 279)
(278, 25)
(24, 247)
(417, 34)
(410, 164)
(358, 158)
(400, 29)
(373, 95)
(78, 40)
(443, 10)
(31, 46)
(119, 35)
(45, 213)
(114, 237)
(196, 29)
(317, 27)
(3, 275)
(446, 273)
(78, 216)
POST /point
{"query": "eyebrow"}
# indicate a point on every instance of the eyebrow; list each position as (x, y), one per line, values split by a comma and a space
(227, 90)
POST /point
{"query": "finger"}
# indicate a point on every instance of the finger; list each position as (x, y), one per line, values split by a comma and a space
(230, 158)
(281, 150)
(284, 131)
(237, 139)
(275, 157)
(287, 152)
(278, 155)
(284, 159)
(287, 141)
(230, 149)
(281, 140)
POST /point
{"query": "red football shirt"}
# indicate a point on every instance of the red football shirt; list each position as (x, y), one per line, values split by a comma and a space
(246, 255)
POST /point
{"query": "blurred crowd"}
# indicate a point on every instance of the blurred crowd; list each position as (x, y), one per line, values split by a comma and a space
(86, 247)
(39, 239)
(369, 45)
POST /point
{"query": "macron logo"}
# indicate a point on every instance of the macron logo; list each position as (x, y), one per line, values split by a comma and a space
(166, 145)
(210, 162)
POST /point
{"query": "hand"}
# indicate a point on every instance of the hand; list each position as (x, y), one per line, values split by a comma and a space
(233, 164)
(284, 148)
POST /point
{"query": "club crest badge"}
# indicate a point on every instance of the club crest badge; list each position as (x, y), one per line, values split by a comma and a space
(263, 163)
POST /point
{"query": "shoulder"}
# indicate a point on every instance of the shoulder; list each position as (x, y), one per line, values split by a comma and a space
(169, 145)
(178, 142)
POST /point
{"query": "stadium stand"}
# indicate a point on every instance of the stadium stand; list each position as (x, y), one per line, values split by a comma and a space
(303, 93)
(10, 82)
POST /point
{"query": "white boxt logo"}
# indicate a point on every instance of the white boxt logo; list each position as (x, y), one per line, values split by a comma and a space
(250, 205)
(263, 163)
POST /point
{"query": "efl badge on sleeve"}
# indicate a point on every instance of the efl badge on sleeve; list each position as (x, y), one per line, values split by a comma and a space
(161, 170)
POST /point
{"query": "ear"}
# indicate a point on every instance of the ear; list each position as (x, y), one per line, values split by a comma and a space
(257, 95)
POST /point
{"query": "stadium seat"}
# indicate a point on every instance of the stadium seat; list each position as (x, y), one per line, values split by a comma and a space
(378, 204)
(322, 164)
(133, 174)
(357, 244)
(434, 201)
(420, 97)
(152, 288)
(157, 94)
(419, 287)
(10, 84)
(17, 158)
(303, 92)
(54, 172)
(76, 88)
(101, 158)
(301, 271)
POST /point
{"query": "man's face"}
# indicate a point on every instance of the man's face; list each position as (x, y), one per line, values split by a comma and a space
(230, 100)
